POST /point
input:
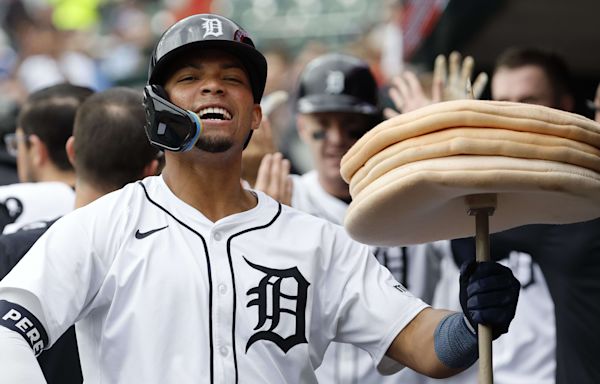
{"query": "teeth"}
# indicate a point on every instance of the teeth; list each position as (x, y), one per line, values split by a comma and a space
(225, 115)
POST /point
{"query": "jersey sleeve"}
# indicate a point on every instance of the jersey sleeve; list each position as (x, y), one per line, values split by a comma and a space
(65, 268)
(370, 307)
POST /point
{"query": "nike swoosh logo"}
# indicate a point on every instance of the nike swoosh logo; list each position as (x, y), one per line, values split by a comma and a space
(141, 235)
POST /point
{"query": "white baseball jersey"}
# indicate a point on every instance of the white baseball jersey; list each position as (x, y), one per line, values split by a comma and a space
(161, 294)
(29, 202)
(526, 354)
(416, 267)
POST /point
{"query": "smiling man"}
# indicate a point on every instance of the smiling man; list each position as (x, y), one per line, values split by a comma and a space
(337, 104)
(229, 284)
(216, 111)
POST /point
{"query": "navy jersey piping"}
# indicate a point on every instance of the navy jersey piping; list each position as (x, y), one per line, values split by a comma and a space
(233, 282)
(210, 293)
(404, 267)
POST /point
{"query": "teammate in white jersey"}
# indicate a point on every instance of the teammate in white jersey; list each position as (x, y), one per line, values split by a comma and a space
(102, 165)
(44, 124)
(337, 103)
(188, 277)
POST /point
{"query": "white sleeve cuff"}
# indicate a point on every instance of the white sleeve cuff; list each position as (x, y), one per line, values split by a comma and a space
(17, 362)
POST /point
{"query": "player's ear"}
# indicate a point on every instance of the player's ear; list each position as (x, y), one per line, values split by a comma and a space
(70, 148)
(38, 151)
(256, 116)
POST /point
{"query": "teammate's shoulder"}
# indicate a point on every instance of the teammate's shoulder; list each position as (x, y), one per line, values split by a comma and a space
(115, 203)
(299, 215)
(306, 180)
(42, 187)
(266, 202)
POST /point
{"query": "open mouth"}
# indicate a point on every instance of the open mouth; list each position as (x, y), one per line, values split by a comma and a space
(214, 113)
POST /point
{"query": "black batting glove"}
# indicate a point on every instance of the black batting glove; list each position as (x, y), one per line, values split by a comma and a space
(488, 295)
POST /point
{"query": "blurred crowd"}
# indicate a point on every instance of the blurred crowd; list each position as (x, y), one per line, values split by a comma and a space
(42, 44)
(99, 44)
(104, 43)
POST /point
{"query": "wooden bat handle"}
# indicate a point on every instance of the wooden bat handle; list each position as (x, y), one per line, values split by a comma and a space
(482, 207)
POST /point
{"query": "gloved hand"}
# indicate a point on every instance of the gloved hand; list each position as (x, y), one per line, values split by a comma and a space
(488, 295)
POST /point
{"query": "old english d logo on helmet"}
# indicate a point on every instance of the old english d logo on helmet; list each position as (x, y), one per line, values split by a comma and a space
(212, 27)
(168, 126)
(337, 82)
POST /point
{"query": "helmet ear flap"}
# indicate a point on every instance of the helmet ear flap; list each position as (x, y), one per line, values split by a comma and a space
(168, 126)
(160, 91)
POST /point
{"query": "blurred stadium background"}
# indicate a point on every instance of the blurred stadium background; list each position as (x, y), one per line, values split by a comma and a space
(101, 43)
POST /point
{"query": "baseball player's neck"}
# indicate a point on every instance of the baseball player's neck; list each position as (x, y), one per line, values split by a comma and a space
(212, 189)
(52, 173)
(85, 193)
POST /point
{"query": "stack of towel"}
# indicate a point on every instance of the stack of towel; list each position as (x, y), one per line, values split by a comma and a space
(409, 176)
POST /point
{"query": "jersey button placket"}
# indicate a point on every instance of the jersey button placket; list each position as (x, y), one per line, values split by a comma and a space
(224, 351)
(223, 301)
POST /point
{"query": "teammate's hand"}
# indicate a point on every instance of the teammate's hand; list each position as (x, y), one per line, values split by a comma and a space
(488, 295)
(451, 81)
(407, 94)
(274, 178)
(261, 144)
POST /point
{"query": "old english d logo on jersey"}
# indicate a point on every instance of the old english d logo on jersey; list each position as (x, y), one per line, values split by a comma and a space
(212, 27)
(268, 301)
(335, 82)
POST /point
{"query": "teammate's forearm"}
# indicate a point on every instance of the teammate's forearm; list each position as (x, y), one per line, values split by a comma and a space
(17, 361)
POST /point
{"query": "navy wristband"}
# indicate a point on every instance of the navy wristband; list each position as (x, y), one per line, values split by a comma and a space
(18, 319)
(455, 344)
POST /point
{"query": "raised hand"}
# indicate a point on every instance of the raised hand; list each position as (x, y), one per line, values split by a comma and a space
(407, 94)
(451, 81)
(262, 143)
(274, 178)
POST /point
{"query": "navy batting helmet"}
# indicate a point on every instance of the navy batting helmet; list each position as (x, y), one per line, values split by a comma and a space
(337, 82)
(208, 31)
(168, 126)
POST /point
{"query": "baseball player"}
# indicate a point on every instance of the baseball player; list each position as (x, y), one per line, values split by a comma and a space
(188, 277)
(44, 124)
(100, 168)
(337, 103)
